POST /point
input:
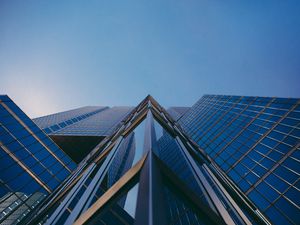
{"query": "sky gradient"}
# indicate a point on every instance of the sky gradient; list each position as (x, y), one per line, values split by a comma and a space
(57, 55)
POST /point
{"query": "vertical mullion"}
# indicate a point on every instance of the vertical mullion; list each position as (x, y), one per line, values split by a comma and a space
(150, 208)
(209, 190)
(89, 193)
(62, 207)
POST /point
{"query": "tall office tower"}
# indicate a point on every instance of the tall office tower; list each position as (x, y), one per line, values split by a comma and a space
(32, 166)
(256, 142)
(78, 131)
(147, 171)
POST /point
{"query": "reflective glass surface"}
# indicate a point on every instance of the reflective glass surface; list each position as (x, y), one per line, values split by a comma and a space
(116, 213)
(255, 141)
(181, 210)
(169, 151)
(31, 165)
(85, 121)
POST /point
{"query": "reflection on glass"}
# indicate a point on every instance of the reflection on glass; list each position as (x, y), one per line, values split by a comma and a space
(131, 199)
(122, 161)
(181, 209)
(117, 212)
(129, 152)
(139, 136)
(168, 151)
(158, 130)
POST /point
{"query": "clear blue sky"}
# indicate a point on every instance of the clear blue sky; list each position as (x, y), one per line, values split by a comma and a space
(56, 55)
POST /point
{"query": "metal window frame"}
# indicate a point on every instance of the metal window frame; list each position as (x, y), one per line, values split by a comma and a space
(110, 193)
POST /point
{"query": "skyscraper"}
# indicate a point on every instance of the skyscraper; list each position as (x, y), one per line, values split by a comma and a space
(32, 166)
(78, 131)
(256, 142)
(147, 165)
(84, 121)
(147, 172)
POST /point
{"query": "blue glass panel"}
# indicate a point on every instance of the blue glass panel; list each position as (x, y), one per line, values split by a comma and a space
(168, 150)
(276, 217)
(277, 183)
(63, 174)
(258, 199)
(290, 210)
(10, 172)
(286, 174)
(294, 195)
(292, 164)
(267, 191)
(22, 181)
(267, 163)
(251, 178)
(234, 175)
(244, 185)
(291, 140)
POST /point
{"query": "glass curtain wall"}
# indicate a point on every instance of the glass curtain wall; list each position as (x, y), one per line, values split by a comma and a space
(146, 172)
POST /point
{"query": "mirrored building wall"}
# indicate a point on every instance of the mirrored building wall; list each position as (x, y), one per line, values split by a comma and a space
(147, 172)
(226, 160)
(256, 142)
(78, 131)
(84, 121)
(32, 166)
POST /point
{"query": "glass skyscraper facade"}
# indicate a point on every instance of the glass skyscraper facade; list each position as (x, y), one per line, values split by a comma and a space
(79, 130)
(32, 166)
(225, 160)
(256, 142)
(147, 172)
(84, 121)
